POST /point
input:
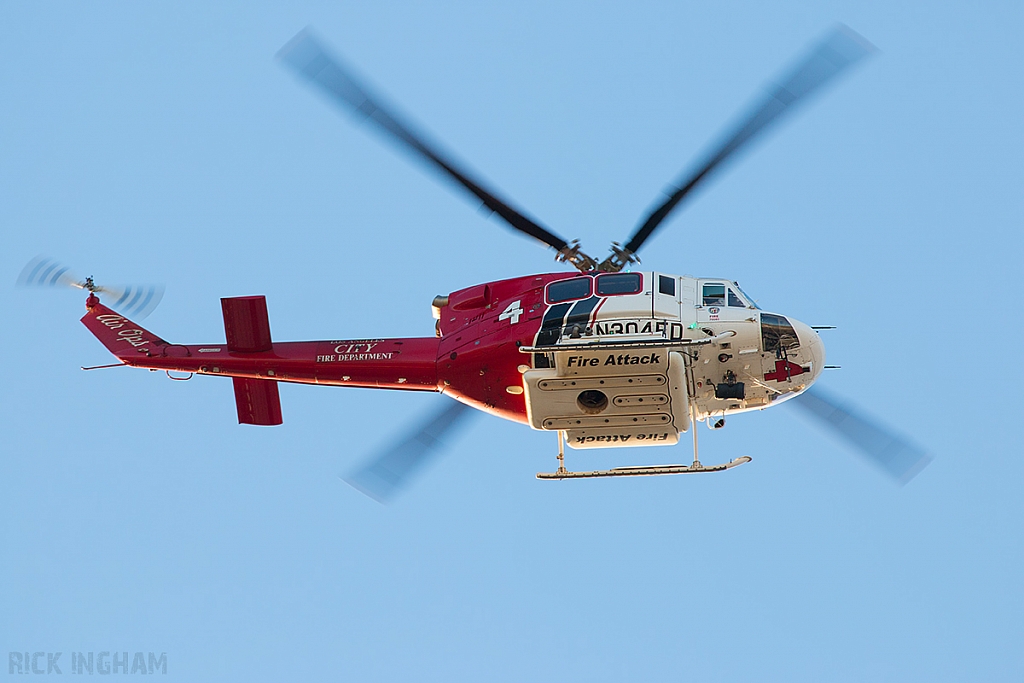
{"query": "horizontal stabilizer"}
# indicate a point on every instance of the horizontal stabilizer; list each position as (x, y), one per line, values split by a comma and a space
(246, 324)
(258, 401)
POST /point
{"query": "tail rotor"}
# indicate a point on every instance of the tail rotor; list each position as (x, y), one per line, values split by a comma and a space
(134, 301)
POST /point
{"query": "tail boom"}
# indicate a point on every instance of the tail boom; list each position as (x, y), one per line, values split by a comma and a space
(407, 363)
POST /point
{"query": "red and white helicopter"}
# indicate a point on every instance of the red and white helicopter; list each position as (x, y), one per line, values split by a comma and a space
(606, 357)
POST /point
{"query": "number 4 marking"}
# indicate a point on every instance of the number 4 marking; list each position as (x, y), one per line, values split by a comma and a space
(512, 313)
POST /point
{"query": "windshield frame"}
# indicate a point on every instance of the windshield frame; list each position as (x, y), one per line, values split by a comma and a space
(746, 297)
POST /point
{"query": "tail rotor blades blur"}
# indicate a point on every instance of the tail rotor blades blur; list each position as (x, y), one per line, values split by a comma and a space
(310, 59)
(384, 475)
(897, 457)
(134, 301)
(43, 271)
(841, 49)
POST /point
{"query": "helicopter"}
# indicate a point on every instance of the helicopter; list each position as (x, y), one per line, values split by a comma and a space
(607, 356)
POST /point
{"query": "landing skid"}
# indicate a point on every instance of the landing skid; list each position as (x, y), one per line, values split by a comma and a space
(645, 470)
(642, 470)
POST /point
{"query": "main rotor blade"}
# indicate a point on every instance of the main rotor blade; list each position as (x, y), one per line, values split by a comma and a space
(310, 60)
(840, 49)
(898, 458)
(382, 476)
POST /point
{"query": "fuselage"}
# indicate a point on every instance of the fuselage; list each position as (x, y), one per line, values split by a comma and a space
(483, 330)
(504, 346)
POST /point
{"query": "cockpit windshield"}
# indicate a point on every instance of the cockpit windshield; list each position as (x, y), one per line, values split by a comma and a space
(746, 296)
(777, 334)
(721, 294)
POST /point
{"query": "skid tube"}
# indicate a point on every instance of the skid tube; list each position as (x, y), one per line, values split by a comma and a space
(645, 470)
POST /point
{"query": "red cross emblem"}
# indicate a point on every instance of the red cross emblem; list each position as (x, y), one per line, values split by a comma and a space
(784, 370)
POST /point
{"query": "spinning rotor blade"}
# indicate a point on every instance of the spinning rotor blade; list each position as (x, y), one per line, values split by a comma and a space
(43, 271)
(134, 301)
(310, 60)
(382, 477)
(900, 459)
(840, 49)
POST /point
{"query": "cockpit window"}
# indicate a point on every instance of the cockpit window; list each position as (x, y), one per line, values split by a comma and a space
(666, 285)
(618, 283)
(735, 301)
(714, 295)
(567, 290)
(777, 333)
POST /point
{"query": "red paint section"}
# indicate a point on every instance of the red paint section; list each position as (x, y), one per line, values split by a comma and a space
(784, 369)
(379, 363)
(258, 401)
(478, 355)
(476, 359)
(246, 324)
(123, 338)
(468, 299)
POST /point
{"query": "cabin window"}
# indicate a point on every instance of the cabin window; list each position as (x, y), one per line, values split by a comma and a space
(735, 301)
(714, 295)
(777, 333)
(666, 285)
(567, 290)
(619, 283)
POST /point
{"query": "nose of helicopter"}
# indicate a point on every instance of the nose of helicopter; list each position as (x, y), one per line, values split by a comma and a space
(811, 340)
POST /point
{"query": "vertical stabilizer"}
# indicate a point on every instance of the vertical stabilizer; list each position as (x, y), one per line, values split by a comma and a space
(247, 328)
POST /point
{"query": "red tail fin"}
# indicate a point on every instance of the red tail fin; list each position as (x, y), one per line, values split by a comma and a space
(127, 340)
(246, 324)
(247, 328)
(258, 401)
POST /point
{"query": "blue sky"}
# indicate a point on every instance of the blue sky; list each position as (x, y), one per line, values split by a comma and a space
(163, 143)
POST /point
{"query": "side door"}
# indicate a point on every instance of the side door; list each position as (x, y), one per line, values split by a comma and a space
(665, 297)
